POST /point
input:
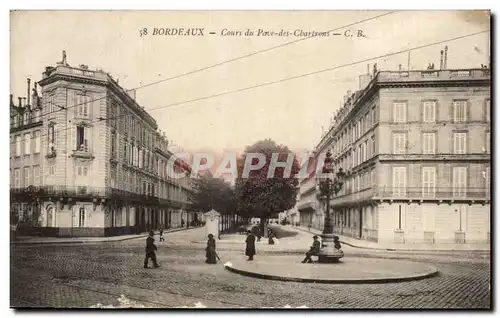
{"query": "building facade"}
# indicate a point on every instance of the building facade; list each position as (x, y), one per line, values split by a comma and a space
(416, 148)
(96, 163)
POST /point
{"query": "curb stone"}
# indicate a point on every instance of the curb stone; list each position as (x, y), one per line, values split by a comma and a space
(93, 241)
(432, 273)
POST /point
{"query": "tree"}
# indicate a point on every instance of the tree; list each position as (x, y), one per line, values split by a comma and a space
(260, 196)
(212, 193)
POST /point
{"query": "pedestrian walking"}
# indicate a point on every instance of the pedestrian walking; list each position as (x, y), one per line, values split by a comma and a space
(161, 235)
(250, 246)
(271, 238)
(314, 250)
(182, 222)
(210, 250)
(150, 250)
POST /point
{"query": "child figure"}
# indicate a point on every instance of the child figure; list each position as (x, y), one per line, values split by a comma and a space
(161, 235)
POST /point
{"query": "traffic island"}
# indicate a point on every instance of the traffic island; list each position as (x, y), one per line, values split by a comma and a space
(349, 270)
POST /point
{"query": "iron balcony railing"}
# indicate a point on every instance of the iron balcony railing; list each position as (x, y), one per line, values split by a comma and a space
(414, 193)
(85, 192)
(434, 192)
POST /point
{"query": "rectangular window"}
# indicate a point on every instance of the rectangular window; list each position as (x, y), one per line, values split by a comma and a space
(459, 181)
(113, 145)
(399, 181)
(399, 143)
(374, 149)
(36, 135)
(27, 180)
(459, 142)
(82, 171)
(17, 178)
(125, 153)
(18, 146)
(82, 142)
(429, 111)
(81, 217)
(37, 116)
(399, 112)
(50, 106)
(428, 182)
(360, 154)
(82, 106)
(460, 111)
(51, 138)
(365, 149)
(487, 146)
(27, 144)
(487, 110)
(51, 169)
(429, 143)
(36, 175)
(113, 177)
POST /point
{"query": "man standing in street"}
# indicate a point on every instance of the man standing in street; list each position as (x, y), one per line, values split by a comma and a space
(150, 250)
(250, 247)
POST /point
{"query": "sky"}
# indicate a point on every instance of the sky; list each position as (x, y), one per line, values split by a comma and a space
(290, 112)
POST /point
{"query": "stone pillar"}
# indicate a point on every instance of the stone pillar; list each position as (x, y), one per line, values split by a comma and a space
(212, 219)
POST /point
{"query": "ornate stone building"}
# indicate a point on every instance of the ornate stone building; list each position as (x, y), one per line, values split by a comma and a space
(416, 146)
(97, 165)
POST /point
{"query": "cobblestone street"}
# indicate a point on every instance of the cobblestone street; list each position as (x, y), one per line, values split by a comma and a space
(83, 275)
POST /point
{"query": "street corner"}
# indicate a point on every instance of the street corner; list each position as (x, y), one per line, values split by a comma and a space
(349, 270)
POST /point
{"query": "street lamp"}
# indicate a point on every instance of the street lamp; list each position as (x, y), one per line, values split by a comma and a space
(328, 187)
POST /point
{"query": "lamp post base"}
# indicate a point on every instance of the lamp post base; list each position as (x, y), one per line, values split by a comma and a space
(328, 253)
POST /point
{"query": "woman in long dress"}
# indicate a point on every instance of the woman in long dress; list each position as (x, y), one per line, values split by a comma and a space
(210, 250)
(250, 247)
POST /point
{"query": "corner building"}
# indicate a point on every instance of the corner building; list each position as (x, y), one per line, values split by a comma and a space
(102, 161)
(416, 148)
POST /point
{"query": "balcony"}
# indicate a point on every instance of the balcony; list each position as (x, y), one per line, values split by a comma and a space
(84, 192)
(308, 205)
(416, 194)
(437, 193)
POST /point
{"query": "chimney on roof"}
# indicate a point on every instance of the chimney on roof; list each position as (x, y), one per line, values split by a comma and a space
(29, 90)
(441, 60)
(131, 93)
(364, 80)
(20, 101)
(445, 57)
(12, 101)
(24, 102)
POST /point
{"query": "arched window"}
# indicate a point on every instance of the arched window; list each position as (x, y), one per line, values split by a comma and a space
(50, 216)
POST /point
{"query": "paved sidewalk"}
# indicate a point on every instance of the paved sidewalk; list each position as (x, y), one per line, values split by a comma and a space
(80, 240)
(403, 247)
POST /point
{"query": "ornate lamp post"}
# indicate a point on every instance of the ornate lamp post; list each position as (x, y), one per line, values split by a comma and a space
(328, 187)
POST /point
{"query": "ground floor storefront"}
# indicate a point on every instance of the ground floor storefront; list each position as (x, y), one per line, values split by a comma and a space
(415, 223)
(98, 217)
